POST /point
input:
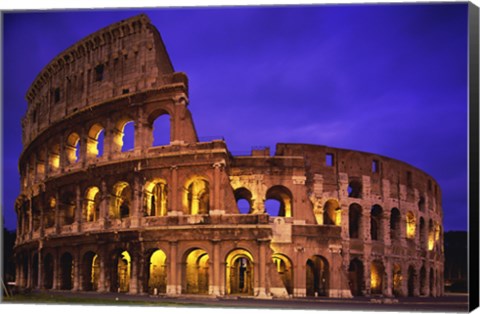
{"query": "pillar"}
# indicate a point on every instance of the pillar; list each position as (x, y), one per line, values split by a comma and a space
(216, 268)
(78, 210)
(172, 284)
(173, 192)
(137, 203)
(261, 289)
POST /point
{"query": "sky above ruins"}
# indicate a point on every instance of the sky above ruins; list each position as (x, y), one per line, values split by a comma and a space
(385, 79)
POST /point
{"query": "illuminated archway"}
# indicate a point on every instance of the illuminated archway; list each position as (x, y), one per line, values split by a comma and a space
(332, 214)
(239, 272)
(72, 149)
(431, 235)
(411, 225)
(95, 141)
(355, 277)
(156, 198)
(157, 273)
(317, 276)
(196, 272)
(285, 269)
(54, 157)
(196, 197)
(91, 271)
(283, 197)
(92, 204)
(121, 272)
(121, 200)
(397, 279)
(377, 271)
(123, 135)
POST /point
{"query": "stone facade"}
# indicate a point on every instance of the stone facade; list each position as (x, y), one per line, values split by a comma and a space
(166, 219)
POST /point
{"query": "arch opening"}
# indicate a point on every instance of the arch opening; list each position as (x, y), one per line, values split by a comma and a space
(157, 273)
(72, 148)
(376, 224)
(48, 272)
(411, 225)
(397, 280)
(66, 271)
(92, 204)
(354, 220)
(120, 205)
(317, 276)
(285, 270)
(91, 271)
(196, 272)
(377, 271)
(239, 272)
(95, 141)
(156, 198)
(243, 198)
(161, 130)
(122, 270)
(395, 224)
(332, 214)
(197, 197)
(355, 277)
(283, 200)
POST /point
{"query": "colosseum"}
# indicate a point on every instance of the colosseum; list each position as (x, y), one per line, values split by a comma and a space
(188, 217)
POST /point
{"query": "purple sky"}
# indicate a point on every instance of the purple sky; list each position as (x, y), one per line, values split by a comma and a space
(386, 79)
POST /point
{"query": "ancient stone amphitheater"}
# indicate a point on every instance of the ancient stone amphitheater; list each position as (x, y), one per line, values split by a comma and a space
(188, 217)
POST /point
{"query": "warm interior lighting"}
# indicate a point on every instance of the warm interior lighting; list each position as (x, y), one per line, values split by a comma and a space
(411, 224)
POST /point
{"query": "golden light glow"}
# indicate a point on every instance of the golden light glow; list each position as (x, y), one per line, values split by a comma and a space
(92, 203)
(239, 272)
(121, 199)
(156, 198)
(123, 272)
(95, 275)
(332, 213)
(72, 145)
(53, 202)
(376, 277)
(158, 272)
(196, 196)
(411, 225)
(197, 272)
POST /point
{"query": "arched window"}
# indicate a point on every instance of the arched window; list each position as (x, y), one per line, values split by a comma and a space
(354, 220)
(332, 213)
(197, 196)
(95, 141)
(243, 197)
(317, 276)
(123, 135)
(376, 224)
(376, 277)
(411, 225)
(431, 235)
(122, 271)
(279, 201)
(91, 271)
(196, 272)
(121, 202)
(156, 198)
(72, 148)
(161, 130)
(92, 204)
(355, 277)
(239, 272)
(54, 157)
(423, 234)
(285, 269)
(157, 274)
(66, 271)
(354, 188)
(395, 224)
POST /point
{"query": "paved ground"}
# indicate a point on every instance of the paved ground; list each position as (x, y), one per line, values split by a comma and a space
(449, 303)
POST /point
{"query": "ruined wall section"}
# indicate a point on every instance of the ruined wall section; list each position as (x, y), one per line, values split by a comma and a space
(120, 59)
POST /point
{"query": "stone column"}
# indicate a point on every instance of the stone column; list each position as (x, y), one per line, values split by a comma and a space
(76, 270)
(57, 213)
(216, 268)
(367, 265)
(385, 224)
(102, 284)
(78, 210)
(218, 208)
(30, 217)
(56, 271)
(172, 285)
(388, 287)
(104, 204)
(174, 208)
(133, 289)
(261, 292)
(40, 267)
(137, 203)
